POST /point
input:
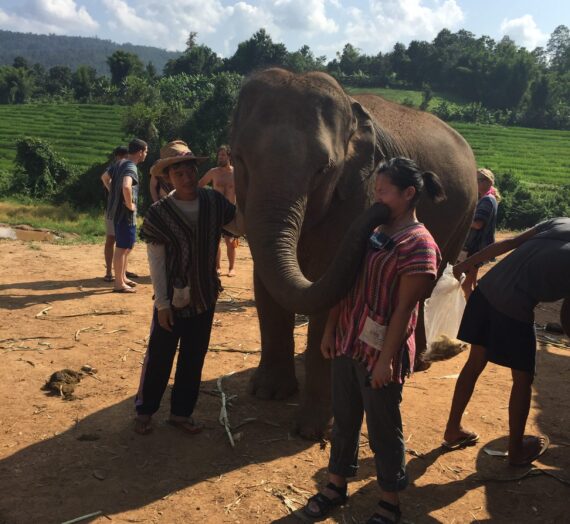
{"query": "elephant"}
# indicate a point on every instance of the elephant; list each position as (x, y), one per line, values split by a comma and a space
(304, 153)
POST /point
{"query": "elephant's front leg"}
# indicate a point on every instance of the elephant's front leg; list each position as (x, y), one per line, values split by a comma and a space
(315, 415)
(275, 376)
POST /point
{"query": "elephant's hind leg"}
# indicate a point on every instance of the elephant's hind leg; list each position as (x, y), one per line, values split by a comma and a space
(275, 376)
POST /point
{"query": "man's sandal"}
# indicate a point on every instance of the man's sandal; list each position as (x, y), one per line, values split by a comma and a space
(324, 503)
(377, 518)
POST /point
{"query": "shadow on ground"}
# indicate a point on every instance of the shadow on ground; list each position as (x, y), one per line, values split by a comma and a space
(101, 464)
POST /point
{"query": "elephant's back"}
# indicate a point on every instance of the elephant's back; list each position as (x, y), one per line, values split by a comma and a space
(413, 128)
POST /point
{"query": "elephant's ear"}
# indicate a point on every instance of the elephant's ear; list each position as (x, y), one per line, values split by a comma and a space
(363, 152)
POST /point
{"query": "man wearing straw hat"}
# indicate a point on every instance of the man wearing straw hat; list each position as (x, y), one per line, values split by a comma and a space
(182, 231)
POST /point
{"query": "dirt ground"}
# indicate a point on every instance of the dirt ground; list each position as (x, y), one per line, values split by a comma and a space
(60, 460)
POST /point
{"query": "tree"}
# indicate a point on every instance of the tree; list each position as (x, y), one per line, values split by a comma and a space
(20, 63)
(83, 81)
(399, 60)
(558, 49)
(150, 72)
(135, 90)
(349, 59)
(58, 80)
(420, 64)
(304, 60)
(123, 64)
(256, 53)
(17, 85)
(197, 60)
(209, 125)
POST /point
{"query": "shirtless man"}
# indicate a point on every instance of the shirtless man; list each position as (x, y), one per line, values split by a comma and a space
(222, 179)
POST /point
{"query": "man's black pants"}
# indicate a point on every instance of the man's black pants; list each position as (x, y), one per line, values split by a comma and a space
(194, 336)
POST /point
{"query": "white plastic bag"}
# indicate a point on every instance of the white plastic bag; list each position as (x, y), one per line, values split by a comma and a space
(444, 309)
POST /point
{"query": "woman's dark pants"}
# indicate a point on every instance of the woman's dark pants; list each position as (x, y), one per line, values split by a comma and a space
(351, 398)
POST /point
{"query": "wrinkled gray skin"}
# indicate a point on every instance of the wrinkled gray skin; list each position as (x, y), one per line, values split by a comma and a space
(303, 154)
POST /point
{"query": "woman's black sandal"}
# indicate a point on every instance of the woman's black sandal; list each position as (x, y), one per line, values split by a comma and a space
(382, 519)
(324, 503)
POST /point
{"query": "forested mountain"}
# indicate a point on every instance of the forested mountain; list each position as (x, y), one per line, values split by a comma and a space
(73, 51)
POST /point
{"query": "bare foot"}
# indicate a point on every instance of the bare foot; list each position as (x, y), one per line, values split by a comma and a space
(143, 425)
(530, 449)
(124, 290)
(231, 273)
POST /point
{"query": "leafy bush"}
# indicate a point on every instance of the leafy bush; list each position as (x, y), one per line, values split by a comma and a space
(5, 182)
(408, 102)
(40, 171)
(84, 190)
(523, 206)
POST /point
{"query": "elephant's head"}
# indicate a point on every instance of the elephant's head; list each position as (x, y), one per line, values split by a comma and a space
(301, 146)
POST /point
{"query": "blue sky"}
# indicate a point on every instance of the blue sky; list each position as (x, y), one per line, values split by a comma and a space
(325, 25)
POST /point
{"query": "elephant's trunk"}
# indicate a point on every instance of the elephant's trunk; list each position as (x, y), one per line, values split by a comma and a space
(273, 241)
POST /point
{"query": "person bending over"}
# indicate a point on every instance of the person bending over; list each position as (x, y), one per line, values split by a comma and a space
(498, 322)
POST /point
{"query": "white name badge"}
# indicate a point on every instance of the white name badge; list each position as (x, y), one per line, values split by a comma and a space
(373, 334)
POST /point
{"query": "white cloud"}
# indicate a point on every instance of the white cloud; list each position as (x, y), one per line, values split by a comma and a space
(524, 32)
(64, 13)
(135, 24)
(167, 25)
(49, 16)
(307, 16)
(391, 21)
(239, 23)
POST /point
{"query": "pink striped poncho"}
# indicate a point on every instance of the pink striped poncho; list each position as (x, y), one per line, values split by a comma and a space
(375, 294)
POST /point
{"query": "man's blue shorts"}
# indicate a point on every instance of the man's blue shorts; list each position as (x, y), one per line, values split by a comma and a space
(507, 341)
(125, 235)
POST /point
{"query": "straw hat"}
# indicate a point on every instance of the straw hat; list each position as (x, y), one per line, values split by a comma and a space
(173, 153)
(487, 173)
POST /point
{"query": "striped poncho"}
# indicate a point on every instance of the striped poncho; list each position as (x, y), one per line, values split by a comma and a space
(190, 250)
(375, 294)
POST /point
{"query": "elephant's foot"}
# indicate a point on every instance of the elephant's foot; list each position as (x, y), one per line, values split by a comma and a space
(314, 421)
(273, 386)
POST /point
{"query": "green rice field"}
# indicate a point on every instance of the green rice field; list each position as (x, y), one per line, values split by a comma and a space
(538, 156)
(85, 134)
(82, 134)
(400, 95)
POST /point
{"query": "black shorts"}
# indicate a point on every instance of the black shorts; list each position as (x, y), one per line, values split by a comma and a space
(507, 342)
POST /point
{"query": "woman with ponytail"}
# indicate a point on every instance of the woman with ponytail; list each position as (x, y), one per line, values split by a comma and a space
(369, 336)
